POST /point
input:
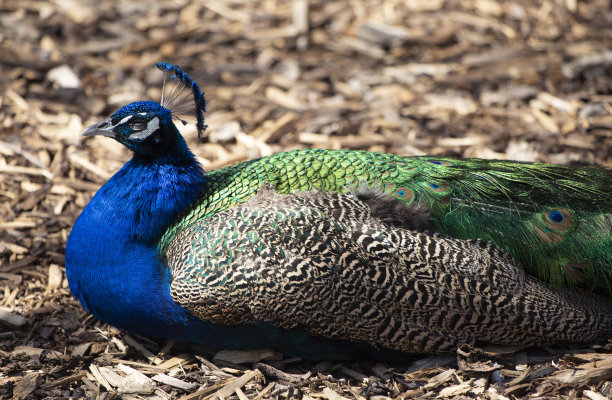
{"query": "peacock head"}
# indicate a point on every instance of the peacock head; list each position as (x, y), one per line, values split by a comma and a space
(147, 127)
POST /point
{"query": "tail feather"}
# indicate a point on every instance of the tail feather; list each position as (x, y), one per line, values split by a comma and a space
(551, 218)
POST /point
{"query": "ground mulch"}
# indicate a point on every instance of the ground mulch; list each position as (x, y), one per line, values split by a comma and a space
(524, 80)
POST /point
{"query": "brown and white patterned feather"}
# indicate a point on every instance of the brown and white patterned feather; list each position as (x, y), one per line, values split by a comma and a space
(361, 267)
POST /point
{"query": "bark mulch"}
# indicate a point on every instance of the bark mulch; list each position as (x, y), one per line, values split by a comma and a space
(526, 80)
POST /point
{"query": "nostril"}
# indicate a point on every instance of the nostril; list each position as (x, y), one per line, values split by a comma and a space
(103, 125)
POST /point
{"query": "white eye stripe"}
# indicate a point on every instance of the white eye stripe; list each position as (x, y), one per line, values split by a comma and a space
(152, 126)
(124, 120)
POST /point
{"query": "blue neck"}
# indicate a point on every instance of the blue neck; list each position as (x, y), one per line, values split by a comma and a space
(112, 260)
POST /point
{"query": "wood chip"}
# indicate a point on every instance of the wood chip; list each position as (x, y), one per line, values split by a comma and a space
(352, 373)
(265, 392)
(455, 390)
(230, 387)
(149, 369)
(588, 373)
(594, 395)
(17, 170)
(483, 22)
(439, 380)
(574, 67)
(350, 141)
(113, 378)
(284, 99)
(87, 165)
(26, 386)
(65, 380)
(241, 357)
(271, 131)
(56, 276)
(174, 382)
(275, 373)
(202, 393)
(181, 359)
(11, 319)
(30, 351)
(100, 378)
(135, 381)
(12, 247)
(331, 395)
(240, 394)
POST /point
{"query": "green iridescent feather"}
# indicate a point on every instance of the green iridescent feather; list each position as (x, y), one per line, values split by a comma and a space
(555, 220)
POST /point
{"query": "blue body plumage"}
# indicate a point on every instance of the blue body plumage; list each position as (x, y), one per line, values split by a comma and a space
(112, 248)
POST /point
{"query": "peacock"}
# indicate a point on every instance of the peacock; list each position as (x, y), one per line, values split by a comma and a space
(331, 254)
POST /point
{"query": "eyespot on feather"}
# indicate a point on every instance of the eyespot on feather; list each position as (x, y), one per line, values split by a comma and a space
(559, 220)
(437, 188)
(574, 271)
(404, 193)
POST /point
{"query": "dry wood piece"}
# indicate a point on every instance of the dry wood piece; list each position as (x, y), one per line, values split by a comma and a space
(272, 372)
(16, 170)
(180, 360)
(135, 381)
(203, 393)
(241, 357)
(352, 373)
(29, 351)
(175, 382)
(65, 380)
(229, 388)
(272, 130)
(455, 390)
(100, 378)
(332, 395)
(439, 379)
(586, 373)
(55, 278)
(593, 395)
(26, 386)
(145, 368)
(11, 319)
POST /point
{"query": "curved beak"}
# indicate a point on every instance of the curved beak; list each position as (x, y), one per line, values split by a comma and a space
(104, 128)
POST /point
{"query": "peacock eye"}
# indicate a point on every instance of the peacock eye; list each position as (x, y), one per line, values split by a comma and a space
(138, 124)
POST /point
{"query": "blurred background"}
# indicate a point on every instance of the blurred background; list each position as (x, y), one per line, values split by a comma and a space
(523, 79)
(528, 80)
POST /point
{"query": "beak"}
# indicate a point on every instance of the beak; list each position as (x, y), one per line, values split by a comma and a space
(103, 128)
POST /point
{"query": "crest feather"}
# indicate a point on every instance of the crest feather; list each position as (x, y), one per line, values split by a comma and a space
(181, 103)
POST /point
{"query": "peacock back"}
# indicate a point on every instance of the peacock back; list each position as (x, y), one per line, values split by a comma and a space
(555, 220)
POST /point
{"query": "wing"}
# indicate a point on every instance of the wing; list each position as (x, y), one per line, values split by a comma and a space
(328, 264)
(556, 221)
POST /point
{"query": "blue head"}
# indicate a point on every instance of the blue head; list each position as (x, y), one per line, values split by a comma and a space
(147, 127)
